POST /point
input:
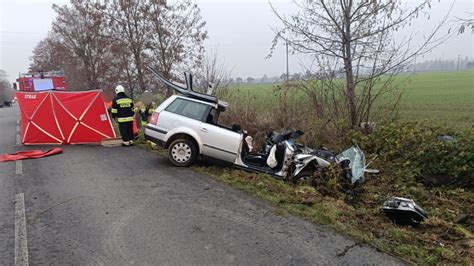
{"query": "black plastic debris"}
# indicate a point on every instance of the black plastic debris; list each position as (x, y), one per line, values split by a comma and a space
(404, 211)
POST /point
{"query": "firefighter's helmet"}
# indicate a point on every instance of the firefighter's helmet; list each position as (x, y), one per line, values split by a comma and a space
(119, 89)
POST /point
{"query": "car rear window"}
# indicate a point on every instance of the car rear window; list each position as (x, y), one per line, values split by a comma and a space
(189, 109)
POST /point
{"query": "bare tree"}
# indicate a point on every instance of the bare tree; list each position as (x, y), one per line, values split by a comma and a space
(6, 89)
(177, 36)
(51, 54)
(3, 75)
(466, 23)
(128, 22)
(212, 71)
(82, 32)
(111, 41)
(46, 55)
(356, 38)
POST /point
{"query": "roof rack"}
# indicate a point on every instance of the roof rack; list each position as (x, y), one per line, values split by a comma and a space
(188, 90)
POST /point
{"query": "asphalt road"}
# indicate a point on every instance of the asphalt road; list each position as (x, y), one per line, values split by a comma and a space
(115, 206)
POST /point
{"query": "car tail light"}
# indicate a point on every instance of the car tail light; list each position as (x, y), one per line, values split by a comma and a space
(154, 118)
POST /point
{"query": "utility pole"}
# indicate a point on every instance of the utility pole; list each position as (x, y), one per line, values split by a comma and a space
(414, 66)
(287, 65)
(459, 59)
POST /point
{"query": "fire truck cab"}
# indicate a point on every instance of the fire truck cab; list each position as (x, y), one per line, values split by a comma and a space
(41, 81)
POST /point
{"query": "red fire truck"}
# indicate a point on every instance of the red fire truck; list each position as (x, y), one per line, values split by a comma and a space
(41, 81)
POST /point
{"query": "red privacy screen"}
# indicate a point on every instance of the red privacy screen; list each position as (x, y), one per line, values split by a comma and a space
(58, 117)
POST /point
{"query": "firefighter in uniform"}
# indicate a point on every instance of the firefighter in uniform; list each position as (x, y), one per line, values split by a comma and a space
(145, 107)
(122, 110)
(145, 111)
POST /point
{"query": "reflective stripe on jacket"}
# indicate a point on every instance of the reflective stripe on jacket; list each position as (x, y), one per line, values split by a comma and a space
(125, 119)
(122, 108)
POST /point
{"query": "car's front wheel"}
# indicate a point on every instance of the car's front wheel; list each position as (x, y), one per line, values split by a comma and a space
(182, 152)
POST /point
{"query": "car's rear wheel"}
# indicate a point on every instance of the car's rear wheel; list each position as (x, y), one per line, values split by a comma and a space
(182, 152)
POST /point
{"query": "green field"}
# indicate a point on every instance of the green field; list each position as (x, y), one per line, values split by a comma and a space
(446, 97)
(441, 98)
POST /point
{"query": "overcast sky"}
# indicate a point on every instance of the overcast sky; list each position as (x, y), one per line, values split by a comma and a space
(241, 31)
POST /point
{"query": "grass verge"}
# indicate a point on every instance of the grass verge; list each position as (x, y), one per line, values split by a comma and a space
(357, 213)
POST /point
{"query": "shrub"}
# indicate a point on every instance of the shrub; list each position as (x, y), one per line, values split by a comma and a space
(434, 159)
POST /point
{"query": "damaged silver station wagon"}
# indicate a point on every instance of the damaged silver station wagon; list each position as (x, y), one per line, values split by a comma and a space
(188, 126)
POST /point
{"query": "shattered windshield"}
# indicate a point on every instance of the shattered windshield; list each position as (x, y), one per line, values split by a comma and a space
(357, 162)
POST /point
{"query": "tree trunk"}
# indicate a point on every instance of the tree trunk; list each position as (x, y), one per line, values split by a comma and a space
(350, 91)
(167, 75)
(350, 84)
(138, 63)
(89, 74)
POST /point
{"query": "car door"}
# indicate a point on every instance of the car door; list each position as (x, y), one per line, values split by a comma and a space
(183, 113)
(219, 142)
(174, 121)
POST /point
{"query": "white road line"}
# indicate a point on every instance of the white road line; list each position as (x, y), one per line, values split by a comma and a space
(18, 121)
(19, 167)
(18, 139)
(21, 243)
(17, 128)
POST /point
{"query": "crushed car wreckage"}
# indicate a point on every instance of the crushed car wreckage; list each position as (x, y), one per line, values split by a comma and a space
(187, 125)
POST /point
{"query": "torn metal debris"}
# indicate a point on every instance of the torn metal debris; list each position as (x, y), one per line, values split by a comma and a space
(404, 211)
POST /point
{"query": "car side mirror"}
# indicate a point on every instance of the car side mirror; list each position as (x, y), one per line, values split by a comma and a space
(236, 127)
